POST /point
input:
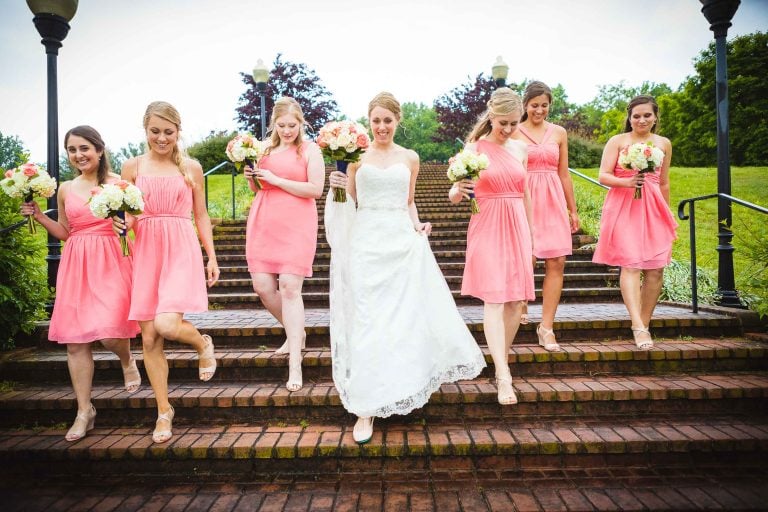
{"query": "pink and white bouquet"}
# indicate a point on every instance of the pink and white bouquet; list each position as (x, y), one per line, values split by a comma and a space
(641, 157)
(344, 142)
(467, 164)
(116, 198)
(27, 181)
(245, 149)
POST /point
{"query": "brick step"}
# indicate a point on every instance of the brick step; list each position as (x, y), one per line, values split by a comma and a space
(320, 284)
(242, 300)
(440, 456)
(453, 487)
(467, 401)
(262, 364)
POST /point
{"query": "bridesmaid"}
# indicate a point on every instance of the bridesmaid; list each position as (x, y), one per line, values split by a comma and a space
(552, 200)
(94, 279)
(281, 234)
(169, 277)
(499, 266)
(637, 234)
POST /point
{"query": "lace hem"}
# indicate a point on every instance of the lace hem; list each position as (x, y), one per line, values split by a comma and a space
(467, 371)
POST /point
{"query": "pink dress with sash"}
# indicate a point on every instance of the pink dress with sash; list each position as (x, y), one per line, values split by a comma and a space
(636, 233)
(499, 265)
(551, 228)
(93, 284)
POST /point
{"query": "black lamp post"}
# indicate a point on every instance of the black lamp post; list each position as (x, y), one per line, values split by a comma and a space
(719, 14)
(52, 22)
(499, 72)
(261, 76)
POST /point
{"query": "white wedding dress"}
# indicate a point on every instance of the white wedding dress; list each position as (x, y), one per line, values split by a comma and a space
(396, 334)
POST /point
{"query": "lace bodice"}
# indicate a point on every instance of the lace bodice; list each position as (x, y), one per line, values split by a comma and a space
(385, 188)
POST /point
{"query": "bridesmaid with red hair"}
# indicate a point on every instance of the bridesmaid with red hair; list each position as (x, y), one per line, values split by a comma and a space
(637, 234)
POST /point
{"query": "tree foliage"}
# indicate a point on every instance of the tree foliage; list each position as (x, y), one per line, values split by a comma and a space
(458, 109)
(286, 79)
(12, 152)
(210, 151)
(418, 130)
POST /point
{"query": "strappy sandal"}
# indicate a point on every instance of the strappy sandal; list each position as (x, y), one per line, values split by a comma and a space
(547, 339)
(506, 393)
(162, 436)
(294, 378)
(83, 424)
(207, 353)
(646, 343)
(524, 320)
(284, 347)
(363, 431)
(131, 376)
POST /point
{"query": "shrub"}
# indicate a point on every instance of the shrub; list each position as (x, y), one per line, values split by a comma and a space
(754, 278)
(23, 278)
(677, 284)
(583, 152)
(210, 151)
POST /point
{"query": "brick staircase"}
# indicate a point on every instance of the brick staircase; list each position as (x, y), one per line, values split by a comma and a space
(599, 426)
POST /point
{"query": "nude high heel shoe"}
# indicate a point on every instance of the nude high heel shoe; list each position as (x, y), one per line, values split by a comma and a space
(83, 424)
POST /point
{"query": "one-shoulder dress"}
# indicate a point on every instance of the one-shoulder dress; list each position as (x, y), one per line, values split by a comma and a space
(499, 266)
(93, 284)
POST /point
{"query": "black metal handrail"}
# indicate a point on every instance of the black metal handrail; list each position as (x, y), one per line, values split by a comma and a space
(584, 176)
(21, 223)
(692, 233)
(213, 170)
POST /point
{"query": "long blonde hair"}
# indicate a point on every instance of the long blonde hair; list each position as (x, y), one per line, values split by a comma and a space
(168, 112)
(283, 106)
(504, 101)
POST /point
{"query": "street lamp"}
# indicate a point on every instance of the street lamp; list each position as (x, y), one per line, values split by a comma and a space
(52, 22)
(719, 14)
(499, 72)
(261, 76)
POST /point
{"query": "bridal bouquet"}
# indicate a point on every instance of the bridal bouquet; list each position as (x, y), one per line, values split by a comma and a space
(115, 199)
(467, 164)
(245, 149)
(28, 181)
(344, 142)
(641, 157)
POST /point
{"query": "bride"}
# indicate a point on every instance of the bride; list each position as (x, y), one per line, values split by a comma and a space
(396, 334)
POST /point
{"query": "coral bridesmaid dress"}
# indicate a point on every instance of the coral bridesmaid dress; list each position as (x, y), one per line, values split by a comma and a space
(168, 273)
(93, 285)
(499, 267)
(551, 228)
(636, 233)
(281, 233)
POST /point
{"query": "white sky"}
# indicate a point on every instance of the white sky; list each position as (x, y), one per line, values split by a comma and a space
(120, 55)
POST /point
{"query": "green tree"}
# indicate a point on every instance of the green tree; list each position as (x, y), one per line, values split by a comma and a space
(12, 152)
(210, 151)
(693, 120)
(418, 130)
(116, 159)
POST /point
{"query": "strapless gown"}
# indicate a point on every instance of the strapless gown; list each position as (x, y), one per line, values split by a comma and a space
(396, 334)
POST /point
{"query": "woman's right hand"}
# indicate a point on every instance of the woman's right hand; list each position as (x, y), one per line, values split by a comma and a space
(118, 225)
(249, 172)
(465, 187)
(338, 180)
(636, 181)
(31, 208)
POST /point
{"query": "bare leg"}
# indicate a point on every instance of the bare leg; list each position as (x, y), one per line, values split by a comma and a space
(294, 321)
(512, 313)
(649, 293)
(552, 289)
(493, 325)
(80, 363)
(121, 347)
(157, 368)
(172, 326)
(265, 286)
(631, 293)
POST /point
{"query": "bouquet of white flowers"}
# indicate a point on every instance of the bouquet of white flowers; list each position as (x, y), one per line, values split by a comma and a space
(641, 157)
(245, 149)
(116, 199)
(467, 164)
(28, 181)
(344, 142)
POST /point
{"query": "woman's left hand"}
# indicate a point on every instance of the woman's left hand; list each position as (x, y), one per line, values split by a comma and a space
(266, 176)
(575, 223)
(423, 227)
(212, 269)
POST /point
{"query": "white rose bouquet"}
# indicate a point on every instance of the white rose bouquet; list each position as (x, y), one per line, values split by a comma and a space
(344, 142)
(245, 149)
(467, 164)
(116, 199)
(641, 157)
(28, 181)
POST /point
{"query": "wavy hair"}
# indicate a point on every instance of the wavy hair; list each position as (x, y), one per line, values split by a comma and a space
(643, 99)
(168, 112)
(284, 106)
(91, 135)
(533, 90)
(504, 101)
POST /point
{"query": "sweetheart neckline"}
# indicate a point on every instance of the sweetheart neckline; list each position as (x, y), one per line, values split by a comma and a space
(384, 168)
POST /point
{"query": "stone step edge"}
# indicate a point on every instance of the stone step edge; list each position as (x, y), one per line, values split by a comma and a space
(391, 440)
(224, 394)
(573, 352)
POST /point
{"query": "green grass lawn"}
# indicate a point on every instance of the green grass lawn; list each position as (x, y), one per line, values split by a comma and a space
(747, 183)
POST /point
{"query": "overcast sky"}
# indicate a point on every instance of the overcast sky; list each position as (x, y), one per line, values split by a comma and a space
(120, 55)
